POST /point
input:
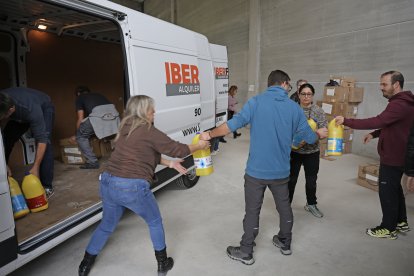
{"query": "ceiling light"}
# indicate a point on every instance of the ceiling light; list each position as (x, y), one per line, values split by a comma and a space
(41, 27)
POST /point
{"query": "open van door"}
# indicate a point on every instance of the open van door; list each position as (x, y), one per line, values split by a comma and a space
(163, 64)
(8, 240)
(219, 55)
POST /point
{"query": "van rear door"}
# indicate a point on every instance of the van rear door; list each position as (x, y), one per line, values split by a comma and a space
(163, 64)
(219, 55)
(8, 240)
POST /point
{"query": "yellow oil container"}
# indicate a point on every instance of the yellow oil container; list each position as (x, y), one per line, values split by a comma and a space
(34, 193)
(335, 139)
(296, 143)
(312, 124)
(202, 159)
(18, 203)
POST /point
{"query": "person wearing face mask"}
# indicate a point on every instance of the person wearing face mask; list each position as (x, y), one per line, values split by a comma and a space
(308, 154)
(126, 180)
(392, 127)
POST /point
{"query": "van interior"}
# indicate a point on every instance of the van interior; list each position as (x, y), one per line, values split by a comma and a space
(54, 49)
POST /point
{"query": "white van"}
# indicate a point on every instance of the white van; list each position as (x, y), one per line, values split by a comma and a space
(56, 45)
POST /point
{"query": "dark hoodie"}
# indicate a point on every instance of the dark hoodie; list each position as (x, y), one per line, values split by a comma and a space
(393, 126)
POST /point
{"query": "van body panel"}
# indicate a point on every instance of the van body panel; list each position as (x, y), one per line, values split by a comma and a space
(221, 77)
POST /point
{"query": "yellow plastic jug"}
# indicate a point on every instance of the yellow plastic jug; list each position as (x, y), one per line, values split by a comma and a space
(335, 138)
(202, 159)
(312, 124)
(18, 203)
(298, 140)
(34, 193)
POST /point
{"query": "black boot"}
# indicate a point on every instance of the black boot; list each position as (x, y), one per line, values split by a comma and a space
(86, 264)
(164, 263)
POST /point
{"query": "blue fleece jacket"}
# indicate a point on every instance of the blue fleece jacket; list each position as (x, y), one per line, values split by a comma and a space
(273, 119)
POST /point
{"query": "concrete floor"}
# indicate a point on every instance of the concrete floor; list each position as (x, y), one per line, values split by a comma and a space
(201, 222)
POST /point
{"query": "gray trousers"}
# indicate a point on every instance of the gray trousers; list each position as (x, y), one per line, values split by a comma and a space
(253, 193)
(84, 132)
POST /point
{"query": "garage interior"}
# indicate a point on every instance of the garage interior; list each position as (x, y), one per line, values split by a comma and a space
(310, 40)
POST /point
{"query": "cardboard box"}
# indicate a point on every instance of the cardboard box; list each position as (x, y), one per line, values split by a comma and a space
(73, 160)
(66, 142)
(368, 176)
(334, 94)
(347, 110)
(344, 81)
(356, 94)
(322, 149)
(329, 117)
(348, 134)
(71, 153)
(346, 147)
(106, 147)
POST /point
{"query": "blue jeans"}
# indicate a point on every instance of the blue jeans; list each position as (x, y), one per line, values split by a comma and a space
(118, 193)
(84, 132)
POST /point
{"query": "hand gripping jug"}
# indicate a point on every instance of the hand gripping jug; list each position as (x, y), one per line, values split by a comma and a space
(335, 139)
(297, 139)
(34, 193)
(202, 160)
(18, 203)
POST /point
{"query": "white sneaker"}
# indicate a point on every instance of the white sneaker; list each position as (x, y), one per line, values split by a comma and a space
(49, 192)
(314, 210)
(213, 152)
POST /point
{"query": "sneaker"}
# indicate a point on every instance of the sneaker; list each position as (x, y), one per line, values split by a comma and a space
(280, 243)
(402, 227)
(49, 192)
(235, 135)
(222, 140)
(90, 166)
(235, 253)
(314, 210)
(381, 232)
(214, 152)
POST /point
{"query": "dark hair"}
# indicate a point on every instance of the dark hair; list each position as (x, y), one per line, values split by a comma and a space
(232, 89)
(277, 77)
(81, 89)
(6, 102)
(395, 76)
(308, 85)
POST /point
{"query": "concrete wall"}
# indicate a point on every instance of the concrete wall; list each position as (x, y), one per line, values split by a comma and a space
(311, 40)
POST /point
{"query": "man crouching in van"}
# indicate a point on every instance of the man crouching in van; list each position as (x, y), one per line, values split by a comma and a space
(125, 182)
(22, 109)
(96, 116)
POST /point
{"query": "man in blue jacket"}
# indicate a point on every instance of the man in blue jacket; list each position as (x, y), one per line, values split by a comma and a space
(273, 119)
(21, 109)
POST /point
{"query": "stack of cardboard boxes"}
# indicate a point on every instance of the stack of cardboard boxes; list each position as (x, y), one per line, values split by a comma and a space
(72, 155)
(368, 176)
(343, 101)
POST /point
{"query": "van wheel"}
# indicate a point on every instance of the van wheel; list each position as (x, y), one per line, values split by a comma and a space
(188, 181)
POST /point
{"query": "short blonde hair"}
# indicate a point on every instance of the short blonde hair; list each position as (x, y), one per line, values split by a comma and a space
(137, 109)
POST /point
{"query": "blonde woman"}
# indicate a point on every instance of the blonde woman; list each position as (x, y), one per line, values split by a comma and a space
(125, 183)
